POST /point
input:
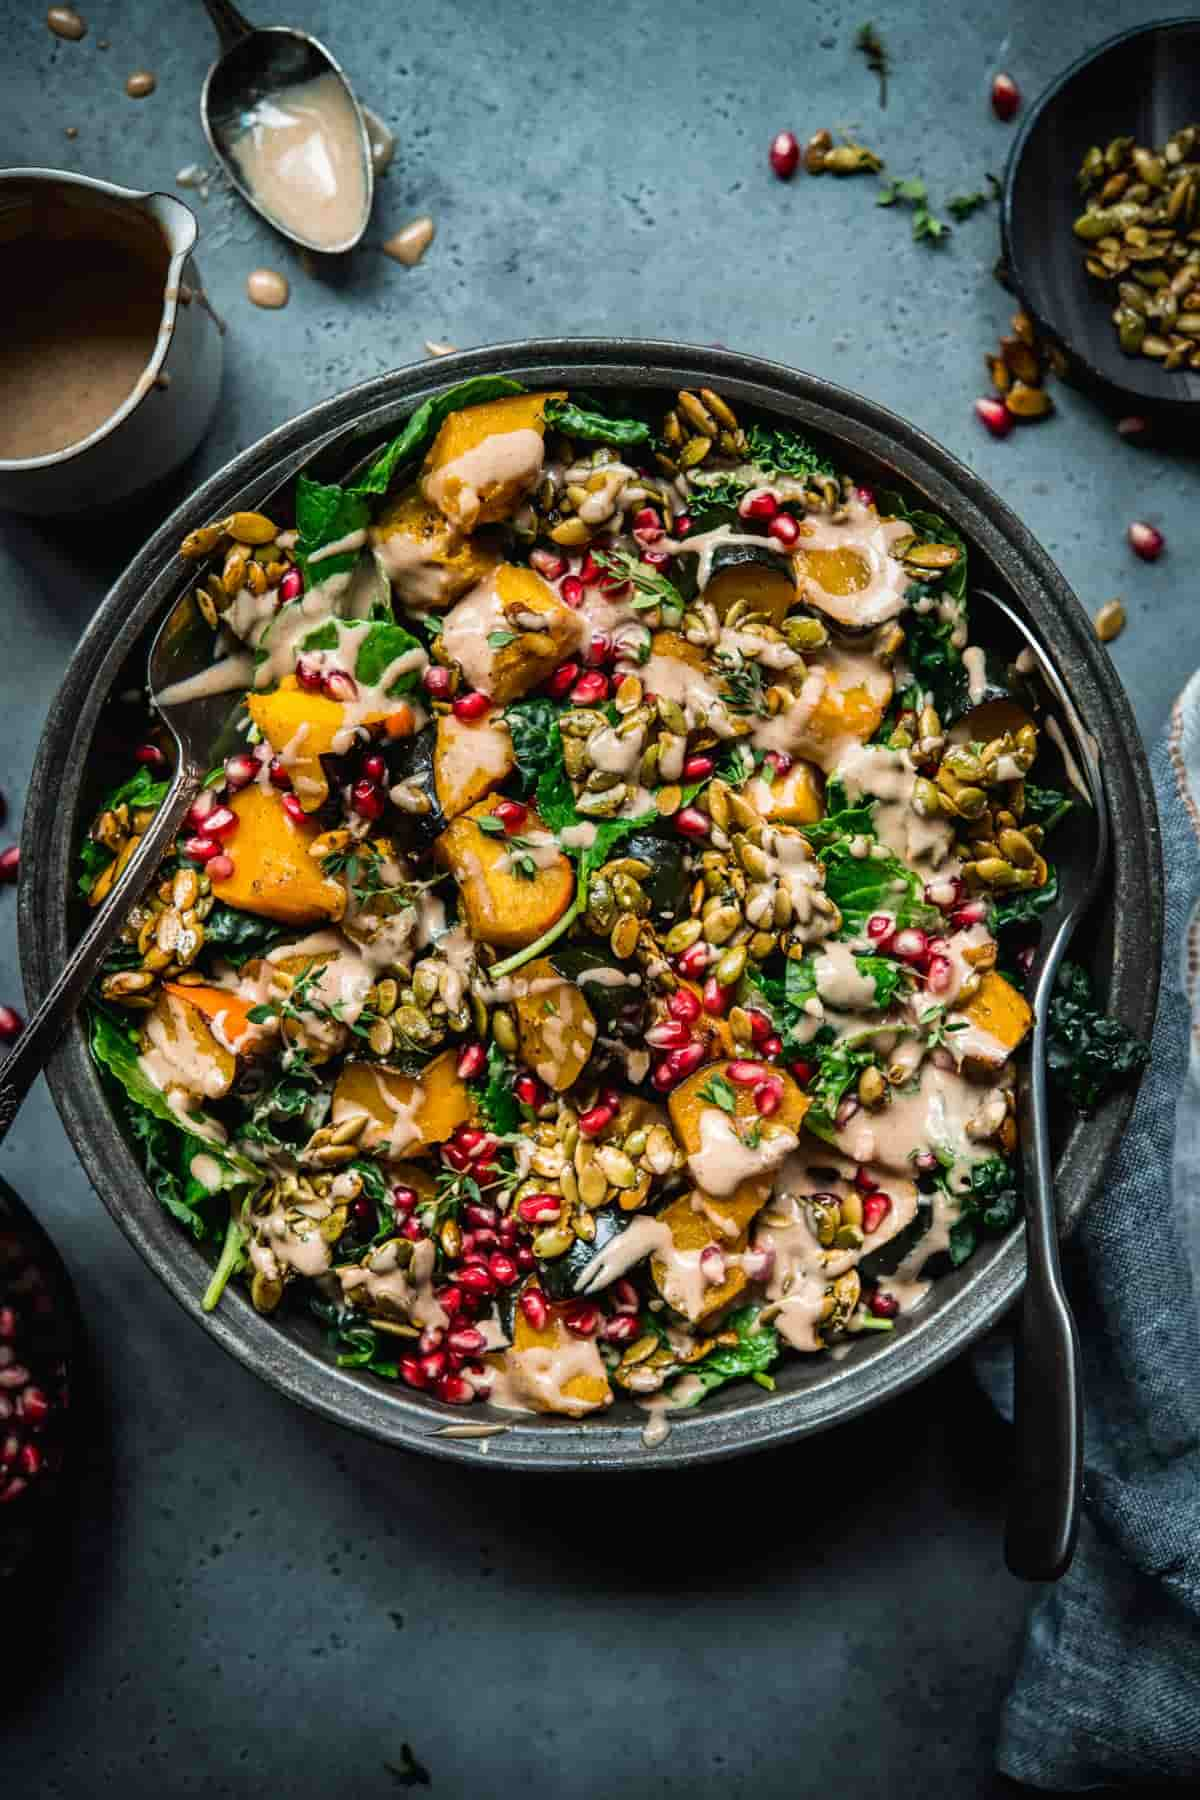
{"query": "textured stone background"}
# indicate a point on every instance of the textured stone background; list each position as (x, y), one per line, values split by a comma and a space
(257, 1602)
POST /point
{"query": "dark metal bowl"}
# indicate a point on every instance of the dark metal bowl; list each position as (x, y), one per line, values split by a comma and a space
(812, 1392)
(1145, 81)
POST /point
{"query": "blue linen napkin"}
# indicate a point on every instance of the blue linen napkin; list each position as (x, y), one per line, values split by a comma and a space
(1107, 1690)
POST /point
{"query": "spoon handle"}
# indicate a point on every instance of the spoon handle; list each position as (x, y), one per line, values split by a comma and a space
(228, 22)
(40, 1037)
(1043, 1508)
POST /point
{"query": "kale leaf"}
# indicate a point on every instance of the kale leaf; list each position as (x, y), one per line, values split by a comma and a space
(358, 1345)
(1026, 908)
(326, 512)
(241, 935)
(1046, 807)
(716, 502)
(991, 1205)
(936, 662)
(885, 972)
(425, 422)
(840, 1062)
(499, 1105)
(777, 452)
(537, 745)
(381, 645)
(756, 1350)
(1088, 1054)
(594, 427)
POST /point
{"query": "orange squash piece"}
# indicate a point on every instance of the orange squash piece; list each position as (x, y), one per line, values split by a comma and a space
(1003, 1015)
(273, 873)
(406, 1114)
(503, 907)
(475, 482)
(216, 1003)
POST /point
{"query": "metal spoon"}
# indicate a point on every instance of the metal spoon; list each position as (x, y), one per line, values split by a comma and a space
(257, 61)
(1043, 1511)
(203, 732)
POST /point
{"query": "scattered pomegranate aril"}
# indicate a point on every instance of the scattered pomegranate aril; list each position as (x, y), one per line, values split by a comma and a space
(549, 566)
(589, 570)
(403, 1200)
(925, 1162)
(292, 807)
(694, 960)
(622, 1329)
(455, 1157)
(571, 590)
(450, 1300)
(539, 1209)
(883, 1306)
(477, 1214)
(8, 1324)
(779, 761)
(698, 768)
(845, 1113)
(784, 529)
(201, 849)
(712, 1266)
(469, 1137)
(758, 1265)
(475, 1280)
(220, 823)
(529, 1090)
(11, 1025)
(972, 912)
(994, 415)
(1146, 541)
(412, 1372)
(1006, 97)
(625, 1296)
(671, 1034)
(430, 1339)
(691, 822)
(472, 706)
(10, 863)
(760, 503)
(760, 1026)
(768, 1098)
(590, 690)
(413, 1229)
(511, 814)
(437, 681)
(240, 771)
(865, 496)
(374, 768)
(683, 524)
(368, 800)
(772, 1047)
(646, 519)
(221, 868)
(533, 1304)
(582, 1318)
(784, 154)
(526, 1260)
(595, 1120)
(876, 1208)
(1133, 428)
(683, 1062)
(661, 1078)
(337, 685)
(599, 651)
(279, 775)
(746, 1074)
(150, 756)
(880, 927)
(472, 1060)
(291, 586)
(910, 945)
(310, 675)
(939, 976)
(714, 998)
(455, 1390)
(563, 679)
(684, 1005)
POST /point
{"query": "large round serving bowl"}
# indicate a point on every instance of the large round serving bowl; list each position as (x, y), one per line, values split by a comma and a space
(1123, 942)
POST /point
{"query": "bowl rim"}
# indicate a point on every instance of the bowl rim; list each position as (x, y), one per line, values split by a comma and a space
(809, 1399)
(1163, 407)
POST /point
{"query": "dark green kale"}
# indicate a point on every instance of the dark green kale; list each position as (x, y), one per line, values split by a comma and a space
(423, 426)
(756, 1350)
(776, 452)
(239, 936)
(990, 1205)
(536, 742)
(1088, 1054)
(594, 427)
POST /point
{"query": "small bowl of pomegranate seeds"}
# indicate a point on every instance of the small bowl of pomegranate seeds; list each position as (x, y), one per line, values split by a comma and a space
(581, 1009)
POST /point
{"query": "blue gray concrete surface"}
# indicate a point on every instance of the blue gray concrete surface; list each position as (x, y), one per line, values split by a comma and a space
(257, 1602)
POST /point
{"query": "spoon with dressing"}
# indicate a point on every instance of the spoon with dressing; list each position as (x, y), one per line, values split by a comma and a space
(283, 122)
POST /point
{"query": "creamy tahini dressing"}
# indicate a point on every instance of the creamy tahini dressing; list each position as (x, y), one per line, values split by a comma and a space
(468, 626)
(839, 983)
(302, 157)
(878, 594)
(537, 1378)
(504, 459)
(725, 1160)
(385, 1284)
(888, 777)
(932, 1113)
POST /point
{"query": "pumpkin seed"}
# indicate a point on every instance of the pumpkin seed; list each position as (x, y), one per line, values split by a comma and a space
(625, 934)
(1110, 621)
(729, 969)
(251, 528)
(554, 1242)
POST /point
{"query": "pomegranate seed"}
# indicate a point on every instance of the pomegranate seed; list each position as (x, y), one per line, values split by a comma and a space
(883, 1306)
(995, 415)
(625, 1296)
(712, 1265)
(876, 1208)
(472, 1060)
(450, 1300)
(469, 1137)
(1146, 541)
(150, 756)
(278, 775)
(939, 976)
(292, 807)
(10, 1448)
(511, 814)
(595, 1120)
(454, 1157)
(337, 685)
(865, 496)
(662, 1079)
(945, 895)
(599, 651)
(590, 690)
(646, 519)
(508, 1234)
(684, 1005)
(220, 823)
(474, 1280)
(1025, 958)
(571, 590)
(529, 1090)
(691, 822)
(768, 1097)
(864, 1181)
(772, 1047)
(656, 559)
(10, 863)
(784, 529)
(758, 1265)
(368, 800)
(539, 1209)
(361, 1208)
(784, 154)
(698, 768)
(29, 1460)
(973, 912)
(413, 1229)
(1006, 97)
(926, 1162)
(563, 679)
(622, 1329)
(760, 503)
(455, 1391)
(11, 1025)
(845, 1113)
(911, 944)
(291, 586)
(220, 868)
(714, 998)
(431, 1339)
(403, 1200)
(436, 681)
(1133, 428)
(880, 927)
(548, 565)
(240, 771)
(670, 1035)
(310, 675)
(694, 960)
(197, 814)
(412, 1372)
(502, 1268)
(760, 1026)
(582, 1318)
(8, 1323)
(589, 570)
(475, 1214)
(433, 1365)
(472, 706)
(374, 768)
(746, 1074)
(779, 760)
(201, 849)
(802, 1071)
(526, 1260)
(533, 1305)
(683, 524)
(685, 1061)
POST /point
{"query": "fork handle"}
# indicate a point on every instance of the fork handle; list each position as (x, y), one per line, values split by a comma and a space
(40, 1037)
(1043, 1508)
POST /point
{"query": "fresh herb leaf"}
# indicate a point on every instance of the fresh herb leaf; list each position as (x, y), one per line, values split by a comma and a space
(868, 41)
(423, 425)
(936, 661)
(840, 1062)
(714, 503)
(928, 228)
(382, 645)
(490, 825)
(738, 764)
(912, 189)
(757, 1349)
(536, 740)
(887, 975)
(594, 427)
(285, 1115)
(719, 1092)
(500, 640)
(498, 1104)
(777, 452)
(961, 206)
(785, 997)
(1088, 1054)
(842, 822)
(741, 683)
(650, 588)
(325, 513)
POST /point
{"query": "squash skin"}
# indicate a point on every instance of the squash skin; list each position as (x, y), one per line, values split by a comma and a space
(763, 578)
(1004, 1014)
(485, 771)
(675, 645)
(555, 1043)
(216, 1003)
(465, 431)
(273, 873)
(447, 1103)
(429, 563)
(502, 908)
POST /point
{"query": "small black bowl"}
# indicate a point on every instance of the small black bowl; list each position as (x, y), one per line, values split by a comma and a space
(1147, 82)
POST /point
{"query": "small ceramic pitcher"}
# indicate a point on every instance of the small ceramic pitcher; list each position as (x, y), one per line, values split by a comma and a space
(171, 404)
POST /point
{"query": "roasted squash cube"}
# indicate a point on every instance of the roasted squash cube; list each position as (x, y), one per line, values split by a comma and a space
(273, 873)
(485, 459)
(428, 561)
(406, 1114)
(555, 1024)
(505, 904)
(509, 633)
(470, 760)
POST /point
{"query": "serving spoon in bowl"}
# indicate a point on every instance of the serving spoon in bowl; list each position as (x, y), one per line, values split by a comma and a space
(1043, 1511)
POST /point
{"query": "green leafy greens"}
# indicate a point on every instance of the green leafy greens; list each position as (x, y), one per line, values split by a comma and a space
(776, 452)
(756, 1350)
(594, 427)
(537, 745)
(1088, 1054)
(325, 513)
(425, 423)
(991, 1205)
